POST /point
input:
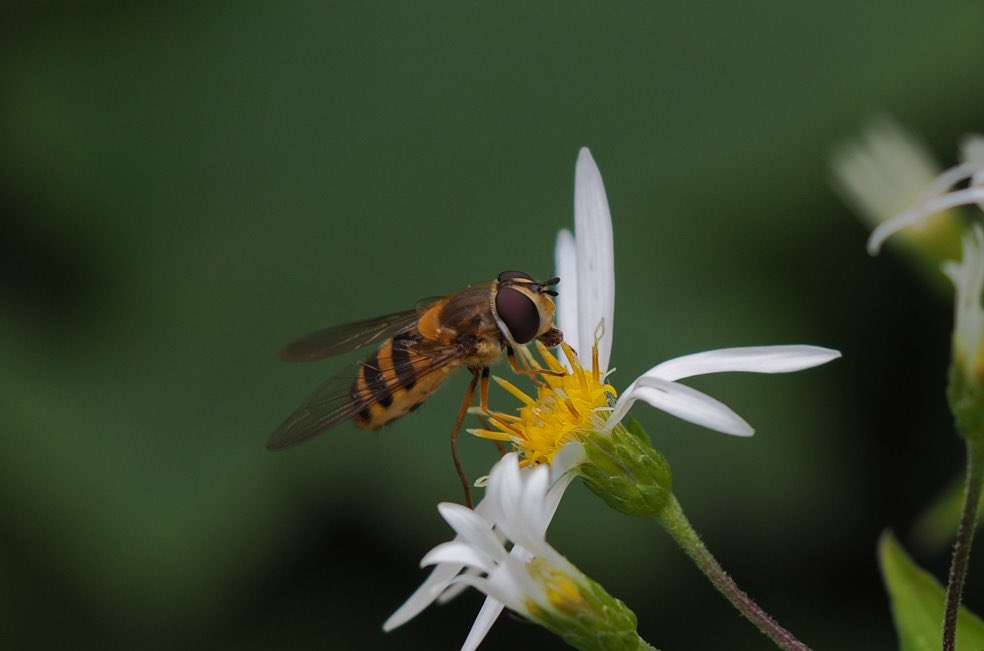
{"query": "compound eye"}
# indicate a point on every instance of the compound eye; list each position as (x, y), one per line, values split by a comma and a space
(514, 275)
(519, 314)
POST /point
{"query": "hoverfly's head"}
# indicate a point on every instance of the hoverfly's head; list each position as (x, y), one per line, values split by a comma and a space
(522, 306)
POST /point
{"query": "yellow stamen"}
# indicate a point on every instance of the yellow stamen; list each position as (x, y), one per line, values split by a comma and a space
(568, 403)
(489, 434)
(506, 427)
(514, 390)
(501, 415)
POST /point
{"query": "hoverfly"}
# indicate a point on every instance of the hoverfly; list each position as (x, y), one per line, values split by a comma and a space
(420, 347)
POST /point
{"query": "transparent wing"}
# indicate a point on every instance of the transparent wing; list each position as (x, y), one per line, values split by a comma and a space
(337, 401)
(350, 336)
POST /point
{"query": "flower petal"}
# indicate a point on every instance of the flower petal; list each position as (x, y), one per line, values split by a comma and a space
(565, 259)
(972, 152)
(423, 596)
(459, 553)
(569, 457)
(751, 359)
(683, 402)
(490, 611)
(434, 585)
(472, 528)
(595, 259)
(529, 525)
(884, 171)
(973, 194)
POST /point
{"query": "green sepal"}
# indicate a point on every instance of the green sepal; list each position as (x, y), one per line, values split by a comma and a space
(917, 603)
(624, 469)
(966, 398)
(601, 623)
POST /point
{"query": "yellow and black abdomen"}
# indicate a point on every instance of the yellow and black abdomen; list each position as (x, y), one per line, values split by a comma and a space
(394, 380)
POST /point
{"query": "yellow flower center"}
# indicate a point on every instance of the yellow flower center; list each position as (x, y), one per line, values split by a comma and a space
(567, 403)
(561, 590)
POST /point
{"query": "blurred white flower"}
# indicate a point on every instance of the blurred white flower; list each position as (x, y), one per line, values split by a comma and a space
(884, 171)
(968, 329)
(892, 179)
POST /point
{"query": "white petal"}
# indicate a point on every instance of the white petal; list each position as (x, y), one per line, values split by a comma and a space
(529, 522)
(973, 194)
(884, 171)
(436, 583)
(565, 258)
(569, 456)
(454, 589)
(500, 584)
(753, 359)
(472, 528)
(947, 179)
(490, 611)
(972, 150)
(683, 402)
(505, 487)
(458, 553)
(423, 596)
(595, 259)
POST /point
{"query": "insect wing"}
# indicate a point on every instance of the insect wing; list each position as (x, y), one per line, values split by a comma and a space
(351, 336)
(337, 400)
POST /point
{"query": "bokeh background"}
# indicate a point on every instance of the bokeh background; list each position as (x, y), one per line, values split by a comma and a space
(184, 188)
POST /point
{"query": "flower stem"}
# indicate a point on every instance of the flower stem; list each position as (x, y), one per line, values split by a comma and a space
(677, 525)
(965, 537)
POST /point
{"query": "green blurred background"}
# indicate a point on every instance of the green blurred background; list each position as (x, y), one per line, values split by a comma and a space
(184, 188)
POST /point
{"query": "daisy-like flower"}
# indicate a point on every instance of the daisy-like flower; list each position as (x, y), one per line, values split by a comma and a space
(531, 578)
(445, 583)
(574, 397)
(892, 179)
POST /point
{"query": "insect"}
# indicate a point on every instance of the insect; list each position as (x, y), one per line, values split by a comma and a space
(420, 348)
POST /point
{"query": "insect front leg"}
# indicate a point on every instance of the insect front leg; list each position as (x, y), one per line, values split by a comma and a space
(532, 373)
(551, 338)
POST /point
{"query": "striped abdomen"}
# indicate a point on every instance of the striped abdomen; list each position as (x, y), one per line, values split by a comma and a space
(394, 380)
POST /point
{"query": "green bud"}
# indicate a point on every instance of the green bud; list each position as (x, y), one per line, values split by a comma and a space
(624, 469)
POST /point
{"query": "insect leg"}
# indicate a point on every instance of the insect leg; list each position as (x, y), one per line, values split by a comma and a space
(511, 356)
(484, 393)
(469, 396)
(532, 373)
(484, 404)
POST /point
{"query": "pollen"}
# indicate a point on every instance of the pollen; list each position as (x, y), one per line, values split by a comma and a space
(566, 404)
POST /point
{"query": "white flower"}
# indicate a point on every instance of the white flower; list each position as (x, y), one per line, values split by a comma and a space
(884, 172)
(968, 280)
(585, 261)
(894, 180)
(518, 506)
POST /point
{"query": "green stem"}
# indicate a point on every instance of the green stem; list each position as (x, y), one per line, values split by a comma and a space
(677, 525)
(965, 537)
